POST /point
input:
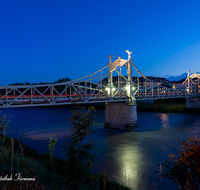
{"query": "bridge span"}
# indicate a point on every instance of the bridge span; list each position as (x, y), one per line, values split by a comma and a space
(100, 87)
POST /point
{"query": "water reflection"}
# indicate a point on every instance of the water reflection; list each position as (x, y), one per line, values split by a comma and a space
(129, 160)
(164, 119)
(47, 133)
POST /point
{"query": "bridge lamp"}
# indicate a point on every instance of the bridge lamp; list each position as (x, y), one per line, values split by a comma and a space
(127, 87)
(113, 89)
(107, 89)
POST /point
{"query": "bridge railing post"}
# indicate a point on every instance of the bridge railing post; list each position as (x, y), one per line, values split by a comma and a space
(66, 91)
(51, 93)
(70, 93)
(6, 92)
(120, 77)
(86, 91)
(31, 90)
(99, 90)
(145, 87)
(90, 86)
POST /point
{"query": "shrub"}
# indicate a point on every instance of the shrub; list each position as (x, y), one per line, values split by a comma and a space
(185, 169)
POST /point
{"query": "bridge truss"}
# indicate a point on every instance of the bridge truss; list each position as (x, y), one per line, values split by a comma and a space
(112, 83)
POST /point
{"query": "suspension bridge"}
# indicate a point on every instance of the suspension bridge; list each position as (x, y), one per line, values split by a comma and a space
(98, 87)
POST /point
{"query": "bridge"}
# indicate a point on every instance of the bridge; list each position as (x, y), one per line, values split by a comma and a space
(114, 84)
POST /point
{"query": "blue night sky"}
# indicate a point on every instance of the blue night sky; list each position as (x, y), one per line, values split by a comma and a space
(42, 41)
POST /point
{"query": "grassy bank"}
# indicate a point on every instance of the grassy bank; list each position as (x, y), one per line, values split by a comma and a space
(16, 158)
(163, 105)
(167, 106)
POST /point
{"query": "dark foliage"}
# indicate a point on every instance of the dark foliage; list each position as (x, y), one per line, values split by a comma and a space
(185, 169)
(79, 152)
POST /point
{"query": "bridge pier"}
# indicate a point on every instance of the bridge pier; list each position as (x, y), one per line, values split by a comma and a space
(193, 102)
(121, 116)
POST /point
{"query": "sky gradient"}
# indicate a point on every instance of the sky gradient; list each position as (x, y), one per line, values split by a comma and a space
(42, 41)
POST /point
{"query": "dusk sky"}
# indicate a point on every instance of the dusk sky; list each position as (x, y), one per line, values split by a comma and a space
(42, 41)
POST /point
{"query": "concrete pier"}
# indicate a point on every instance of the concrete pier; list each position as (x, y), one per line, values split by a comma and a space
(121, 116)
(193, 102)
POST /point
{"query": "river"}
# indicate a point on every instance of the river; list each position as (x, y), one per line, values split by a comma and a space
(134, 154)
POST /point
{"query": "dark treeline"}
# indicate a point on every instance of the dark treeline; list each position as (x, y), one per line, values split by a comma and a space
(59, 88)
(45, 90)
(58, 81)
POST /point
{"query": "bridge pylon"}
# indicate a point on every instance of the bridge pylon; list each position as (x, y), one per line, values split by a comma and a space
(122, 115)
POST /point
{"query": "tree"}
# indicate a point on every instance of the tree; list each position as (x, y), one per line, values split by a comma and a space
(77, 150)
(62, 80)
(185, 170)
(52, 143)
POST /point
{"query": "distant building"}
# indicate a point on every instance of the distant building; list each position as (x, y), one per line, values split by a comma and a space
(176, 84)
(156, 80)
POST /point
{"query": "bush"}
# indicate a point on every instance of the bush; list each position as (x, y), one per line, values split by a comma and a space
(185, 169)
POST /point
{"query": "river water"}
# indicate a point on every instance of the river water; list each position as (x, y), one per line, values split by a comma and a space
(134, 154)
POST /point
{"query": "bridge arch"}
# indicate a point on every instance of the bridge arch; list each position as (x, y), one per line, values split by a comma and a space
(192, 80)
(119, 62)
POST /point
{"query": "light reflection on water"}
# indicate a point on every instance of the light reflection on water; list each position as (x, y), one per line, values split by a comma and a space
(133, 153)
(164, 120)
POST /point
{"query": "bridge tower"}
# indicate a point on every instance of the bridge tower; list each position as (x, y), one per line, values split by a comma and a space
(123, 115)
(194, 79)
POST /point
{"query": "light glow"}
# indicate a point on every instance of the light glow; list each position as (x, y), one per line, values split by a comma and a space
(128, 87)
(107, 89)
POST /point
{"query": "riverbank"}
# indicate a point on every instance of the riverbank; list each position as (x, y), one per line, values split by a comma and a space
(167, 106)
(176, 105)
(23, 168)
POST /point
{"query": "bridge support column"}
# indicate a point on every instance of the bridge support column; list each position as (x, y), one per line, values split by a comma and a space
(192, 102)
(121, 116)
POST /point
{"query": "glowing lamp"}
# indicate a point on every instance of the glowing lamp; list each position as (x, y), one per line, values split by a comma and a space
(107, 89)
(127, 87)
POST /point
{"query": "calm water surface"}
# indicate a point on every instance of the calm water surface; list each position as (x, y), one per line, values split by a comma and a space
(133, 153)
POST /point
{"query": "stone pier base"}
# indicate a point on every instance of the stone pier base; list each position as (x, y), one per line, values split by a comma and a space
(193, 103)
(121, 116)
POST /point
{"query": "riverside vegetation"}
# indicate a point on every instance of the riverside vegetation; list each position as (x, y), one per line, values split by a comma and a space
(184, 167)
(74, 173)
(176, 105)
